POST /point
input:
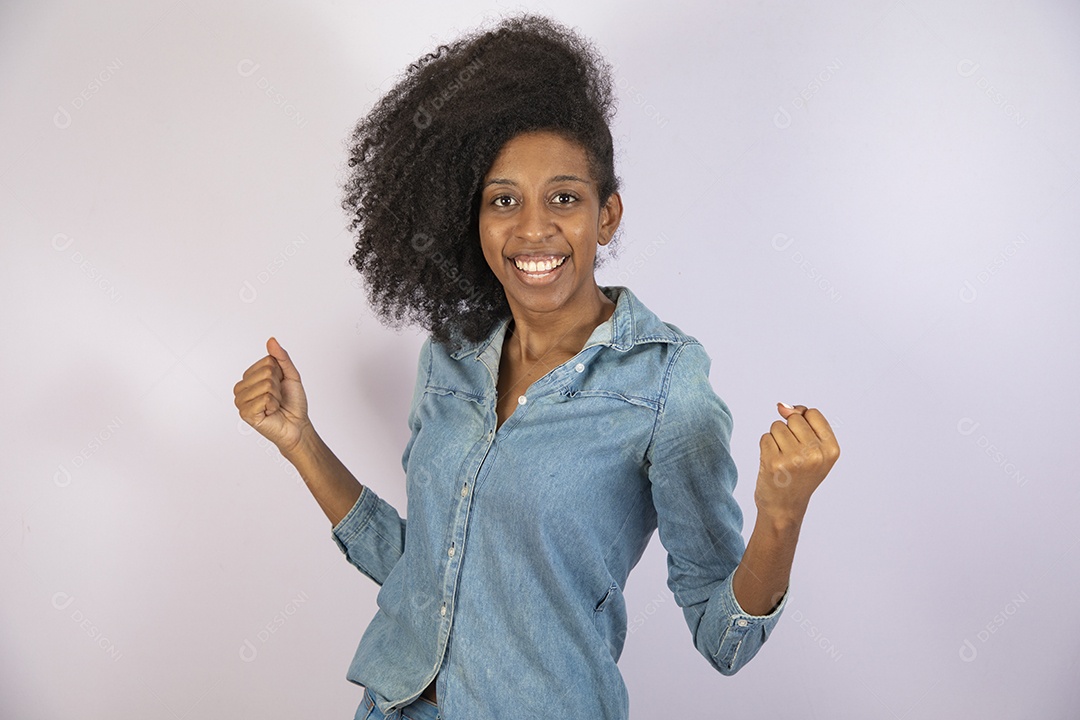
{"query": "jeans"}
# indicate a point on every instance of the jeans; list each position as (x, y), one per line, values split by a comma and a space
(419, 709)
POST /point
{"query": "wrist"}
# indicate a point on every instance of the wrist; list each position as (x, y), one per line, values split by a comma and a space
(787, 522)
(306, 444)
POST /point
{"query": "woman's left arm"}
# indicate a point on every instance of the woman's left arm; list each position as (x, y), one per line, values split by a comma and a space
(795, 457)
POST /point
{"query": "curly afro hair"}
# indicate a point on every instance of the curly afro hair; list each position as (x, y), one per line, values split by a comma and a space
(418, 158)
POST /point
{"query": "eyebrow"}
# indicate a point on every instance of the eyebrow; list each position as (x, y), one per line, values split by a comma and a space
(556, 178)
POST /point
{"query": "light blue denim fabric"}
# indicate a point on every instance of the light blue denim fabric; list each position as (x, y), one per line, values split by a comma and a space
(507, 580)
(418, 709)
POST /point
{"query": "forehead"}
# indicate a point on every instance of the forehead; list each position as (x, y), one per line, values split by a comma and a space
(542, 153)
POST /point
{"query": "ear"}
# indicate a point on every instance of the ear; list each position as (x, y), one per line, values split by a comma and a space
(610, 215)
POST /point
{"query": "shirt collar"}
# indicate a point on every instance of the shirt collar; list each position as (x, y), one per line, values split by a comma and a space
(631, 323)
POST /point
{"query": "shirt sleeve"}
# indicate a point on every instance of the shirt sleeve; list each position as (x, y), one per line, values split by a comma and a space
(693, 478)
(372, 533)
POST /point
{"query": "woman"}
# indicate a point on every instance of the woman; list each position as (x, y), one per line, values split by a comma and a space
(555, 423)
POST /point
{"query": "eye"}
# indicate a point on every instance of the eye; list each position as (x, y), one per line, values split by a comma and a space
(565, 198)
(498, 201)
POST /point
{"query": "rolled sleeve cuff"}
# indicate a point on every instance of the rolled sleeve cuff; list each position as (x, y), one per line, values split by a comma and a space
(370, 535)
(742, 634)
(355, 520)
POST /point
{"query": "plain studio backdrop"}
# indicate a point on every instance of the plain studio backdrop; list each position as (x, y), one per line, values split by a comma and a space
(869, 208)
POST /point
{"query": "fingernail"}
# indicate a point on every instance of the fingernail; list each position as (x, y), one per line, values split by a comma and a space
(789, 407)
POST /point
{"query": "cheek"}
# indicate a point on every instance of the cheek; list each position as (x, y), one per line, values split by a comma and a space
(492, 230)
(488, 227)
(489, 246)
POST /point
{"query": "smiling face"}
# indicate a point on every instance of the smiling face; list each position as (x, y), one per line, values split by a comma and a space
(541, 221)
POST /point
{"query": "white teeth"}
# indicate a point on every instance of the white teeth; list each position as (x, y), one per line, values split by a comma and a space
(543, 266)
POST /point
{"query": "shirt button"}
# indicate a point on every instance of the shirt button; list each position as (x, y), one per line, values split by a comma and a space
(579, 367)
(450, 552)
(741, 623)
(522, 400)
(464, 489)
(442, 610)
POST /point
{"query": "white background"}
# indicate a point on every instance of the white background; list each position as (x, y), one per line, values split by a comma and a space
(870, 208)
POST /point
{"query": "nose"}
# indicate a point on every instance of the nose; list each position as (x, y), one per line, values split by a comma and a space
(535, 222)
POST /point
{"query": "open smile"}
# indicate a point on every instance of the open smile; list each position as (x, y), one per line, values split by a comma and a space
(539, 268)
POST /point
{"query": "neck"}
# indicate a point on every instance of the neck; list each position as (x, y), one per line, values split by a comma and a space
(533, 336)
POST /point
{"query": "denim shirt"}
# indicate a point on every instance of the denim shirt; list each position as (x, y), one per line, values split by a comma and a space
(507, 579)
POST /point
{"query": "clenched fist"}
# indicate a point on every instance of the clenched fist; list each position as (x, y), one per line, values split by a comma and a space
(271, 399)
(795, 457)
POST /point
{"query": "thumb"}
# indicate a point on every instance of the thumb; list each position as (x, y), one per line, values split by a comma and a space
(787, 411)
(287, 368)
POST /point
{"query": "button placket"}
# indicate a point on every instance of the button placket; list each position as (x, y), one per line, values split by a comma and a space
(453, 564)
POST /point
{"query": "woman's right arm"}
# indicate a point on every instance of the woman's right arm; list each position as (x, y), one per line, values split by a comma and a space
(271, 399)
(334, 487)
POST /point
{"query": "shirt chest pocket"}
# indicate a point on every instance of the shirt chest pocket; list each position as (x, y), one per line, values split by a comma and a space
(574, 393)
(607, 424)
